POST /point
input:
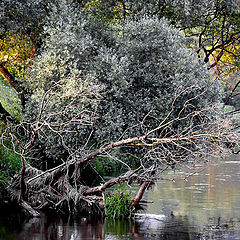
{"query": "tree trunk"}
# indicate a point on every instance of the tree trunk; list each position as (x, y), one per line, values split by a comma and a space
(10, 79)
(3, 114)
(140, 193)
(7, 75)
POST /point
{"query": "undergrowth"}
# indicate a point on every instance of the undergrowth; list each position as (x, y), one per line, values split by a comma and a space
(117, 204)
(10, 164)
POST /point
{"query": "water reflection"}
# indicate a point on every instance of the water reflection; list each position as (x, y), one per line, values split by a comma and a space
(145, 227)
(175, 228)
(205, 207)
(46, 228)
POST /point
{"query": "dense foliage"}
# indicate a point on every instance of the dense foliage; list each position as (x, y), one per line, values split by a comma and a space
(212, 27)
(142, 72)
(117, 82)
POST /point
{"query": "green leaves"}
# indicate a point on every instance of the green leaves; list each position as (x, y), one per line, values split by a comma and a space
(141, 72)
(10, 100)
(10, 164)
(96, 81)
(117, 204)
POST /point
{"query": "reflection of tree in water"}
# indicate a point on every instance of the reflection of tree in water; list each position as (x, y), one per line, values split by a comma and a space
(9, 220)
(47, 228)
(144, 227)
(90, 228)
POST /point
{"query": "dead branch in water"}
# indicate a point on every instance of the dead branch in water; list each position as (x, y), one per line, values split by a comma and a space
(164, 148)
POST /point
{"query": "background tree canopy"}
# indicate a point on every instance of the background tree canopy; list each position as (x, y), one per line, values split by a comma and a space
(211, 27)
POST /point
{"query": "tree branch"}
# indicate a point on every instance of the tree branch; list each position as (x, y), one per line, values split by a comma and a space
(230, 95)
(7, 75)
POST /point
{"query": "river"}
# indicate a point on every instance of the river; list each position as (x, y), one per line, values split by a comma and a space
(207, 206)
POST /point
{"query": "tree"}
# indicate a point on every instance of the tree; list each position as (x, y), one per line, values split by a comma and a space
(20, 37)
(212, 27)
(136, 74)
(63, 70)
(134, 91)
(62, 188)
(144, 68)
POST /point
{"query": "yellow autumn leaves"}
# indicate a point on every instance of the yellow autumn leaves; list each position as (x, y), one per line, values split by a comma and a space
(16, 52)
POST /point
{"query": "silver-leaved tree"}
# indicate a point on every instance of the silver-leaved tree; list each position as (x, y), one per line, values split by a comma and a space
(132, 91)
